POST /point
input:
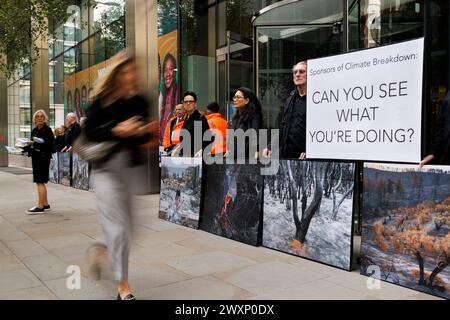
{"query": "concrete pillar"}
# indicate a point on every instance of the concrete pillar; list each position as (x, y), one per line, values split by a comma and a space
(3, 119)
(40, 78)
(142, 38)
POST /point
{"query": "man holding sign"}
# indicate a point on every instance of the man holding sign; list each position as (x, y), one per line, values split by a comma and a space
(293, 122)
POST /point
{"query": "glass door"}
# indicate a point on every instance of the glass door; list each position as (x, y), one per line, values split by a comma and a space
(281, 47)
(234, 70)
(286, 33)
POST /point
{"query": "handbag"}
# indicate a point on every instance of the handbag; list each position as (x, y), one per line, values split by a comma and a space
(92, 151)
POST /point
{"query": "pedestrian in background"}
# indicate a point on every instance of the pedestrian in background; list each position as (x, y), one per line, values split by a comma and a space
(72, 132)
(60, 142)
(40, 148)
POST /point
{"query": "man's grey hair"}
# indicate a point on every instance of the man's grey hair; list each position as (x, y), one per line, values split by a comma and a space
(300, 62)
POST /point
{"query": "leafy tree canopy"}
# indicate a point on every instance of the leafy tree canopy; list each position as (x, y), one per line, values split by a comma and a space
(21, 21)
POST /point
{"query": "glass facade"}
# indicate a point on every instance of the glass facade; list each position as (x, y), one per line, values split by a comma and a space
(219, 45)
(19, 106)
(288, 34)
(380, 22)
(216, 49)
(226, 44)
(89, 37)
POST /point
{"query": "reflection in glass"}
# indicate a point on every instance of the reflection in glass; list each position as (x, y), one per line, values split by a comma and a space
(106, 12)
(279, 48)
(379, 22)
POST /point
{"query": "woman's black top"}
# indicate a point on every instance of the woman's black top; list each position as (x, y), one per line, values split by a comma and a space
(41, 153)
(102, 119)
(45, 149)
(250, 118)
(60, 143)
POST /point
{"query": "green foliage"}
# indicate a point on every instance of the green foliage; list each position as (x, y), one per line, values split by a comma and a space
(168, 14)
(115, 12)
(112, 26)
(20, 22)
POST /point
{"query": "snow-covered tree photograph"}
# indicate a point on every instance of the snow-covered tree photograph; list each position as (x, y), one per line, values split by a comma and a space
(64, 168)
(232, 205)
(180, 195)
(53, 175)
(80, 173)
(405, 226)
(308, 209)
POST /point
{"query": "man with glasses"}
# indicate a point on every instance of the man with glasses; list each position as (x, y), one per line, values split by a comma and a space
(192, 116)
(293, 122)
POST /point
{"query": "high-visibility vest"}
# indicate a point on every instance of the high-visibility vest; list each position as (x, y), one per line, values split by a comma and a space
(176, 132)
(172, 132)
(218, 125)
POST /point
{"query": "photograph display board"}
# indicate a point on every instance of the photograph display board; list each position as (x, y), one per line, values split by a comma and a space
(53, 175)
(308, 209)
(80, 173)
(232, 205)
(405, 226)
(180, 195)
(64, 168)
(366, 105)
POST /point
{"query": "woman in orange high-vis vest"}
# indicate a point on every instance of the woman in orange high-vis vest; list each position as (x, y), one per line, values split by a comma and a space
(219, 127)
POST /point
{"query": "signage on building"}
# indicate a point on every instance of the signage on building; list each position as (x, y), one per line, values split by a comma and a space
(366, 105)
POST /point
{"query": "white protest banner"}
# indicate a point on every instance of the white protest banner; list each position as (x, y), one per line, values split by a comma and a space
(366, 105)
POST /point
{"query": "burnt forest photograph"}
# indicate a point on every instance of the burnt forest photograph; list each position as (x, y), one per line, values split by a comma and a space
(308, 208)
(180, 195)
(53, 171)
(405, 226)
(80, 173)
(64, 168)
(233, 202)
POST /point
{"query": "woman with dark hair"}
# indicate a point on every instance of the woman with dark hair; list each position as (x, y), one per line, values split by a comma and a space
(248, 115)
(119, 113)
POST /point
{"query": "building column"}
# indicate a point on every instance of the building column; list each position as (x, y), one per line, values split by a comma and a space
(3, 119)
(40, 78)
(141, 38)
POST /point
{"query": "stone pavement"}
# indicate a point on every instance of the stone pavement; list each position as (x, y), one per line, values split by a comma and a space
(167, 261)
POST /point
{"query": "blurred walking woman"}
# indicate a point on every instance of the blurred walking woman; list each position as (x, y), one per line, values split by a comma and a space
(248, 116)
(40, 148)
(119, 114)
